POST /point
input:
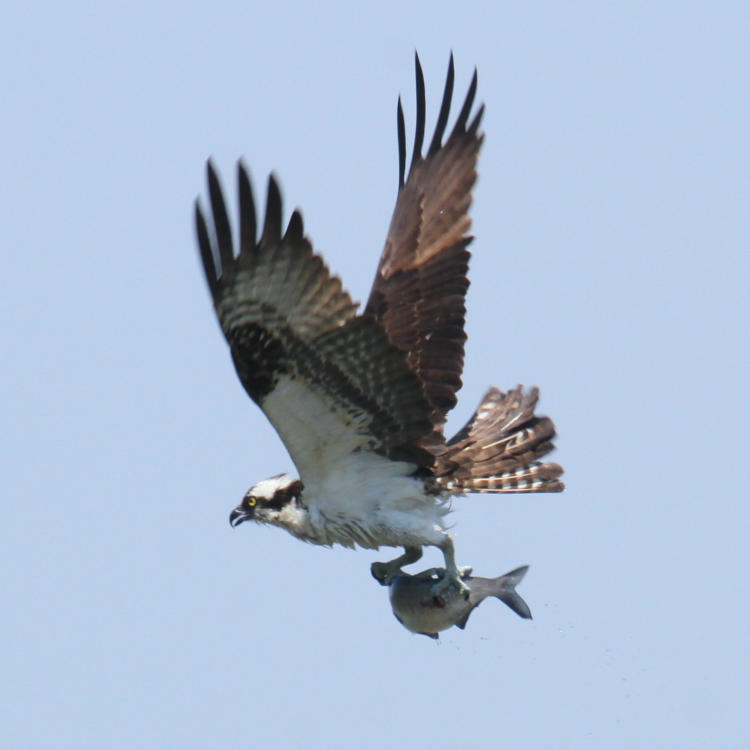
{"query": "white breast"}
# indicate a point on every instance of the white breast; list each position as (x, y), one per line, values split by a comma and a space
(354, 496)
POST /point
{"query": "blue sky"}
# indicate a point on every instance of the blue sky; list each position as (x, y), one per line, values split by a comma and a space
(610, 268)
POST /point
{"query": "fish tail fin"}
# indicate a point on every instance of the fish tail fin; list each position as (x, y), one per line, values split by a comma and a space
(499, 448)
(505, 590)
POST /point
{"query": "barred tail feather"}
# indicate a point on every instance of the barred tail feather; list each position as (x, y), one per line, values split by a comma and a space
(535, 478)
(499, 448)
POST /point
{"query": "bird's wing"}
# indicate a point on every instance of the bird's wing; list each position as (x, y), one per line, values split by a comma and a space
(329, 382)
(420, 285)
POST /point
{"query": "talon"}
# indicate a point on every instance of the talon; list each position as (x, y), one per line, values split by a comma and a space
(383, 573)
(440, 589)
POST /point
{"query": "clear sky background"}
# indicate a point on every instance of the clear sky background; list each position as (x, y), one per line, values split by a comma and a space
(610, 268)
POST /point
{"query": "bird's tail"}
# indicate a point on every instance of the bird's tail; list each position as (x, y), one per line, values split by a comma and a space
(499, 448)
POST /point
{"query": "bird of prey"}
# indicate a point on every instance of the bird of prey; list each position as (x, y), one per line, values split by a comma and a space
(360, 399)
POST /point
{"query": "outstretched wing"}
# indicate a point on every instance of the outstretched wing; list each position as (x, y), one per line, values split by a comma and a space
(421, 282)
(329, 382)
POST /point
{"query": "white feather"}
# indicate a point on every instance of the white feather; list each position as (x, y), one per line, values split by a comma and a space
(352, 494)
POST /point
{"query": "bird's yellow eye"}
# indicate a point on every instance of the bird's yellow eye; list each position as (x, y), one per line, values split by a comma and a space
(251, 501)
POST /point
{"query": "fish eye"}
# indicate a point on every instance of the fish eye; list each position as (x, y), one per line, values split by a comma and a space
(252, 501)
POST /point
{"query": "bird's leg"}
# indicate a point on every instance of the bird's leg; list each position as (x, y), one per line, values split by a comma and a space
(453, 574)
(385, 572)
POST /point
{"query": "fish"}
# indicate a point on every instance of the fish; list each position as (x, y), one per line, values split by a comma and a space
(419, 609)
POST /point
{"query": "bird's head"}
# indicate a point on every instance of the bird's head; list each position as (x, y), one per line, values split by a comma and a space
(266, 501)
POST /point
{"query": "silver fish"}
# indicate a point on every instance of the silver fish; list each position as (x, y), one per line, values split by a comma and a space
(419, 609)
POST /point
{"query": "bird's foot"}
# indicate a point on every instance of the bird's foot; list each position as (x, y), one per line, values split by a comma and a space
(452, 578)
(385, 572)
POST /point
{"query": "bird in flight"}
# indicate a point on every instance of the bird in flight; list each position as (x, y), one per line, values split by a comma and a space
(360, 399)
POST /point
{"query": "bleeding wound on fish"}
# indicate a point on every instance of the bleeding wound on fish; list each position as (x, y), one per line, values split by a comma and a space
(418, 609)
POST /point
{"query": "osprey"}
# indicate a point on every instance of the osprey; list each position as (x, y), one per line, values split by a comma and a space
(360, 400)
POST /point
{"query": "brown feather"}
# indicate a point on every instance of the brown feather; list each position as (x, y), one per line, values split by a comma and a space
(392, 374)
(420, 286)
(500, 447)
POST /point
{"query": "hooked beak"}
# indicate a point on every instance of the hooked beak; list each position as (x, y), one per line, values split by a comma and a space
(237, 516)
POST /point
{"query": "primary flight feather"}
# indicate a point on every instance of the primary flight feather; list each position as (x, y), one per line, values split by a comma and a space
(360, 401)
